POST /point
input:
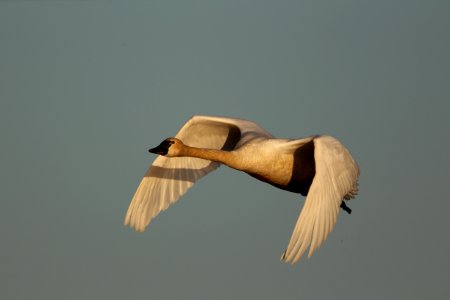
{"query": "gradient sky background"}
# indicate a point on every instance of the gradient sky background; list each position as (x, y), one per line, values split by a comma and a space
(87, 87)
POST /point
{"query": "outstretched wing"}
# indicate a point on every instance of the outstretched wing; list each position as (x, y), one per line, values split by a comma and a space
(336, 177)
(168, 179)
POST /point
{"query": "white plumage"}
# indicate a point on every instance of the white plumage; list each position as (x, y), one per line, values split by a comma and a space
(319, 167)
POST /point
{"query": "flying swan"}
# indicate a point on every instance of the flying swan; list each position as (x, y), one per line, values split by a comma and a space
(318, 167)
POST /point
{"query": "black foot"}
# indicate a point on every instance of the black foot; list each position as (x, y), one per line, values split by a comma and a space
(345, 207)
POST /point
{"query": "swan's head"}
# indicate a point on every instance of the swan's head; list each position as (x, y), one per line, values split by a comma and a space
(170, 147)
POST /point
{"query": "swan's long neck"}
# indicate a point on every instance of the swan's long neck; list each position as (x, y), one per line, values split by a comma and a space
(228, 158)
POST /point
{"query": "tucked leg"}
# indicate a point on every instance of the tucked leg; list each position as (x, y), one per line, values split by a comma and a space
(345, 207)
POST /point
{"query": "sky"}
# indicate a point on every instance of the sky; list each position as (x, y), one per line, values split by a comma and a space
(86, 87)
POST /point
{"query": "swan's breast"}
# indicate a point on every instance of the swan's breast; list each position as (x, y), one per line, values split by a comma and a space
(291, 170)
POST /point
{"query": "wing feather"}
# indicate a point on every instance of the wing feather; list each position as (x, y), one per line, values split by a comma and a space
(167, 179)
(336, 178)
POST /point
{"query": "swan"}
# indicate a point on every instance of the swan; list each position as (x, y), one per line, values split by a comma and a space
(318, 167)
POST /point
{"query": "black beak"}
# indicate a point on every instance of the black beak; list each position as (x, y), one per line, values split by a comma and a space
(161, 149)
(154, 150)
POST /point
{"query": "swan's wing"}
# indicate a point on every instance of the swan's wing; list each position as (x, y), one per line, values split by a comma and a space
(248, 129)
(336, 177)
(168, 179)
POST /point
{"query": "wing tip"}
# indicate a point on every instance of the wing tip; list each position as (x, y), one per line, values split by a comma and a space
(283, 256)
(128, 222)
(289, 259)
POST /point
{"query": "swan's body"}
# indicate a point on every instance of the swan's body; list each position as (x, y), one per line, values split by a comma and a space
(318, 167)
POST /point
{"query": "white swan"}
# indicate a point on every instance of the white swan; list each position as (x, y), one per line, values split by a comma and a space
(318, 167)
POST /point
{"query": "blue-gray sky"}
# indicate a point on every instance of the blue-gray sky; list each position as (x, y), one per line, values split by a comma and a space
(86, 87)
